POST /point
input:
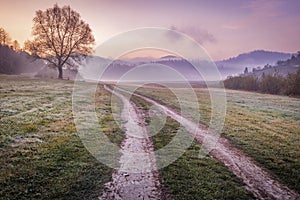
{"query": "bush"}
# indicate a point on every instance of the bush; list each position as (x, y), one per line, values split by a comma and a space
(271, 84)
(249, 83)
(292, 84)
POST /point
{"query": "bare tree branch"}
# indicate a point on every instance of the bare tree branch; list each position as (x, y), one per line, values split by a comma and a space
(61, 37)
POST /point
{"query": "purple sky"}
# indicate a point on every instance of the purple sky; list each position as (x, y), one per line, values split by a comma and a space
(224, 28)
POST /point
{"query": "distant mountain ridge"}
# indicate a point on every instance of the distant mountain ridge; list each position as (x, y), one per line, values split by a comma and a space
(236, 65)
(13, 63)
(282, 68)
(258, 56)
(281, 78)
(228, 67)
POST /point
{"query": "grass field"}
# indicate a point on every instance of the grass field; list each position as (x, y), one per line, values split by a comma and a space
(266, 127)
(41, 155)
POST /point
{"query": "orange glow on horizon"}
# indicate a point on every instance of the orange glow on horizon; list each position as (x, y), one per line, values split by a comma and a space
(146, 53)
(224, 29)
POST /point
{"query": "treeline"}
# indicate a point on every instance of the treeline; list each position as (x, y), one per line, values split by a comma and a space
(12, 62)
(5, 40)
(272, 84)
(12, 59)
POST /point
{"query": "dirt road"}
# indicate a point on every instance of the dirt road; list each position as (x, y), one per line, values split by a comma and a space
(257, 180)
(137, 177)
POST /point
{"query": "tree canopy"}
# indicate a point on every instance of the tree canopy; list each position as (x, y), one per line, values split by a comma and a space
(61, 37)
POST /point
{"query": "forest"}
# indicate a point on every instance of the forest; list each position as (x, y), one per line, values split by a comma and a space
(275, 83)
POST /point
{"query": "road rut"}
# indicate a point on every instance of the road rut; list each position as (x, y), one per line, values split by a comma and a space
(257, 180)
(137, 177)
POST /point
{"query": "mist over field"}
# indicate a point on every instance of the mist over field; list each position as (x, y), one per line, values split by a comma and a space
(150, 99)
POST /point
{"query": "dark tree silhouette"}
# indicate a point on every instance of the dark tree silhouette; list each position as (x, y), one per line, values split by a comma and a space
(5, 40)
(15, 45)
(61, 37)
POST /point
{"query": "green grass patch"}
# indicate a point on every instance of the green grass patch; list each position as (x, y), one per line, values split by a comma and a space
(41, 155)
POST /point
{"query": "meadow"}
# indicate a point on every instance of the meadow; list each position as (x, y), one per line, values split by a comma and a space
(41, 155)
(265, 127)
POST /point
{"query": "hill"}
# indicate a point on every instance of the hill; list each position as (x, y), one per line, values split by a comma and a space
(236, 65)
(282, 68)
(282, 78)
(12, 62)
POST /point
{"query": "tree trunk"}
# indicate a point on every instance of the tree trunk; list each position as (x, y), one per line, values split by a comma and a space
(60, 72)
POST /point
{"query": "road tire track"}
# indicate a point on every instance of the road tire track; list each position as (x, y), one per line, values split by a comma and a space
(257, 180)
(137, 177)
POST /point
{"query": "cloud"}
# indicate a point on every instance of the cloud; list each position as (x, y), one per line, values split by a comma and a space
(200, 35)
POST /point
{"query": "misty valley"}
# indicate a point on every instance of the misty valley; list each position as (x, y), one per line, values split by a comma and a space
(150, 100)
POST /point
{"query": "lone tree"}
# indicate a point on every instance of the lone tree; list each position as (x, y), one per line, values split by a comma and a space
(61, 37)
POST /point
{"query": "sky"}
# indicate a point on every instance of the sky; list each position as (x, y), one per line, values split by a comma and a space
(224, 28)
